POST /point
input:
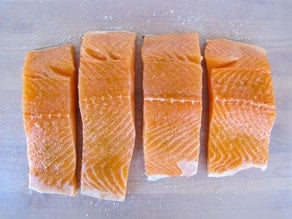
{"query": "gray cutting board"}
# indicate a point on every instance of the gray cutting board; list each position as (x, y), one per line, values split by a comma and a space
(26, 25)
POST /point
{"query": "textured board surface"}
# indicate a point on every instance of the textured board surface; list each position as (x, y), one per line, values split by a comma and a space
(27, 25)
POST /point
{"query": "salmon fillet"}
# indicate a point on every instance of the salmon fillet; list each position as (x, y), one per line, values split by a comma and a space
(242, 107)
(106, 93)
(48, 104)
(172, 84)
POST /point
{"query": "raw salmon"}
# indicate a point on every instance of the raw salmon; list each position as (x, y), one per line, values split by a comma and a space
(106, 92)
(172, 84)
(49, 119)
(242, 106)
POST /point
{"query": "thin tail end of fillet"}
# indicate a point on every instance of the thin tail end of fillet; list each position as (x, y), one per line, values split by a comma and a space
(231, 172)
(188, 169)
(39, 186)
(103, 195)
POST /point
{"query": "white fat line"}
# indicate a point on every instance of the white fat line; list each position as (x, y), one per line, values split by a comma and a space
(105, 97)
(246, 102)
(59, 115)
(171, 100)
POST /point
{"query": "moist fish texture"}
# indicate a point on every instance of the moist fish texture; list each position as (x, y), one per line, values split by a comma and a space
(242, 106)
(48, 102)
(172, 84)
(106, 97)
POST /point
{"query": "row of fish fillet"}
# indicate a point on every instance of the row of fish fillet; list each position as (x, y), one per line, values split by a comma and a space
(241, 110)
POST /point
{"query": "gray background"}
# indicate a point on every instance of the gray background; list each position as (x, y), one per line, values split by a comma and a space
(27, 25)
